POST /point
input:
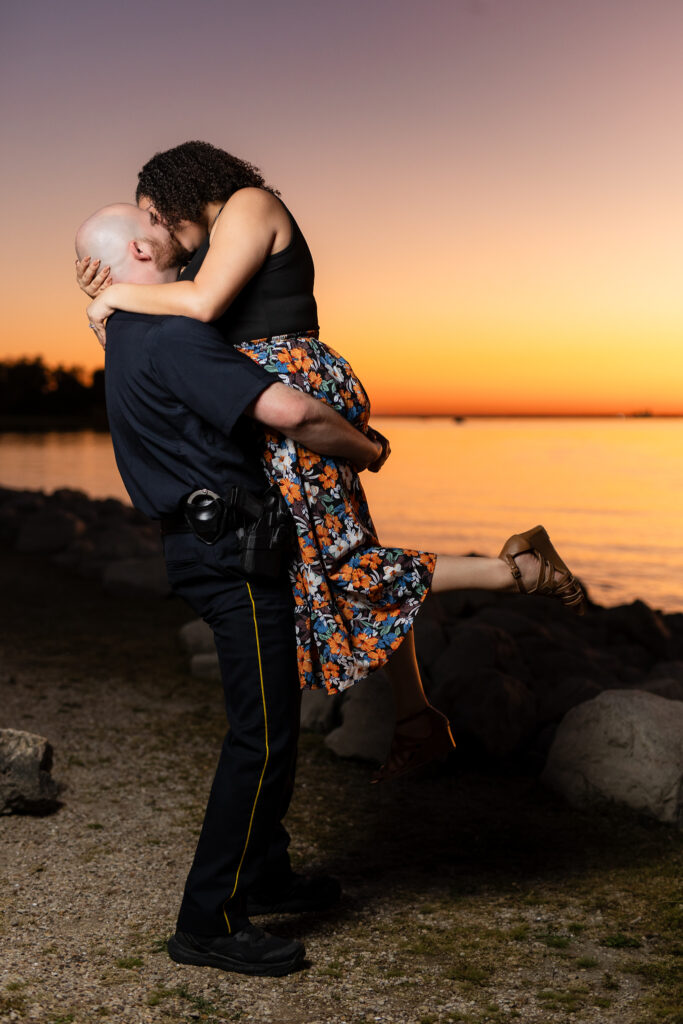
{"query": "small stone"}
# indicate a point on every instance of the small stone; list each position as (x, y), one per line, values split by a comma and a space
(205, 666)
(196, 637)
(320, 710)
(26, 785)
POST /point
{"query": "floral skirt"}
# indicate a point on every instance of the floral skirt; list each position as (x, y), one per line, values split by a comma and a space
(354, 600)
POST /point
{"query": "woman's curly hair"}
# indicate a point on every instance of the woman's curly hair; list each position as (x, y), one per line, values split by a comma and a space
(181, 181)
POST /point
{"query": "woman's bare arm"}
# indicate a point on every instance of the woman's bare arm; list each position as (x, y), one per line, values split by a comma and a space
(241, 240)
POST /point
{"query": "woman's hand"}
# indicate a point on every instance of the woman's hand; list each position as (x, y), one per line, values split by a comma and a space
(98, 312)
(375, 435)
(91, 278)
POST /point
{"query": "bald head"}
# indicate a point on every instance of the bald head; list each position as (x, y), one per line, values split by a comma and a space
(123, 237)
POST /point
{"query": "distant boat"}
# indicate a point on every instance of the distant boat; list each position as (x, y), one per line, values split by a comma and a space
(644, 414)
(458, 419)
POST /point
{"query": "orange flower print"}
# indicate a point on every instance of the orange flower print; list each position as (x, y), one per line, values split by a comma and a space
(354, 600)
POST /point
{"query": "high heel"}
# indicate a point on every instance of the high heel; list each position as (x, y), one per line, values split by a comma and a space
(554, 578)
(409, 753)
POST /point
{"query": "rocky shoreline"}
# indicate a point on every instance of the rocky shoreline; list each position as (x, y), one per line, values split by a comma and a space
(505, 669)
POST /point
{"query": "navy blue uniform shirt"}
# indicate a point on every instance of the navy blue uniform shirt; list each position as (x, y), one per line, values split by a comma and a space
(175, 397)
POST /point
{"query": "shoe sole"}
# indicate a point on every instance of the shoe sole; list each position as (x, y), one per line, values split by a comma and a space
(182, 955)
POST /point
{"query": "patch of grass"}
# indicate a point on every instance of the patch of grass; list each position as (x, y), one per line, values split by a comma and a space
(158, 945)
(94, 825)
(64, 1018)
(609, 981)
(469, 973)
(603, 1001)
(554, 941)
(15, 1001)
(576, 928)
(330, 972)
(15, 986)
(586, 962)
(158, 995)
(519, 933)
(571, 999)
(128, 962)
(620, 941)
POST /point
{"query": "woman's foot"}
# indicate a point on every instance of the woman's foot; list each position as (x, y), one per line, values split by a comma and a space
(418, 739)
(537, 568)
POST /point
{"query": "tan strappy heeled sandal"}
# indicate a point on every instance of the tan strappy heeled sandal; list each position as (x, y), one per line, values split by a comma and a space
(554, 578)
(409, 753)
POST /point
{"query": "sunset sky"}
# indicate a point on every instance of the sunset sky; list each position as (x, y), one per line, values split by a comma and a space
(492, 189)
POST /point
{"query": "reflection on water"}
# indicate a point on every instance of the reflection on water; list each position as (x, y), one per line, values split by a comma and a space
(610, 492)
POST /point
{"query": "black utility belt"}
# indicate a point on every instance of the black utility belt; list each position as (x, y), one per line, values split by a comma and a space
(263, 525)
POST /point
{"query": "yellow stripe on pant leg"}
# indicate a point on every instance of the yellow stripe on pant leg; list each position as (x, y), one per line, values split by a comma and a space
(265, 763)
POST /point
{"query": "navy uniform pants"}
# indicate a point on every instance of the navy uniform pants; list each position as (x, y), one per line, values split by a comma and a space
(243, 844)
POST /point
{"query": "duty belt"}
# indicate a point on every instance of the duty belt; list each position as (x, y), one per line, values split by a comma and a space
(204, 507)
(263, 526)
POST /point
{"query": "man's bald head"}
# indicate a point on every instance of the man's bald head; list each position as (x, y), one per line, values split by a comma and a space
(123, 237)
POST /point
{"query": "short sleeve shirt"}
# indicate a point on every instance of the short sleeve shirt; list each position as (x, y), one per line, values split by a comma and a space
(176, 394)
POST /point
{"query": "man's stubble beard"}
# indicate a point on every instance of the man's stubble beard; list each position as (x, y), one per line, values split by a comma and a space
(170, 253)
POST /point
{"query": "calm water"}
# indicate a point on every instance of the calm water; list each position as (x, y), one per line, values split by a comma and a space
(610, 492)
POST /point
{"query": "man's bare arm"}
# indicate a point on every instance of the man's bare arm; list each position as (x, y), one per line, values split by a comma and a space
(313, 424)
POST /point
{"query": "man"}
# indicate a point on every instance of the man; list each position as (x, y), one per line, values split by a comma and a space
(177, 398)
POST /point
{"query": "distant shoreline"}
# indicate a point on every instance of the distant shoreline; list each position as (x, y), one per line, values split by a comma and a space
(18, 424)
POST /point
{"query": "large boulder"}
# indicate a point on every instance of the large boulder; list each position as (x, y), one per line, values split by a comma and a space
(144, 576)
(26, 785)
(48, 531)
(625, 747)
(367, 720)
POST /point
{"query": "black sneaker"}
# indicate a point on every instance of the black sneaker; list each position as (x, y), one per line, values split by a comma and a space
(249, 951)
(295, 895)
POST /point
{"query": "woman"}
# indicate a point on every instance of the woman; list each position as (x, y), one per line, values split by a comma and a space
(252, 275)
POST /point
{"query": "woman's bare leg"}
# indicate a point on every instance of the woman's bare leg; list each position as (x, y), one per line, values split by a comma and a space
(463, 572)
(409, 695)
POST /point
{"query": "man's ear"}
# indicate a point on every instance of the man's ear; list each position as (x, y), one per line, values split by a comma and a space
(139, 251)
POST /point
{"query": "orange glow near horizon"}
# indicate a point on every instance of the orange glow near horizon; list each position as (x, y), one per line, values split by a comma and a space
(498, 243)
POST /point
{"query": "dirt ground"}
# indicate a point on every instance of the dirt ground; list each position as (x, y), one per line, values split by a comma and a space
(472, 897)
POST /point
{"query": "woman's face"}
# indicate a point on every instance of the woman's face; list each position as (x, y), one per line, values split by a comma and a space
(186, 236)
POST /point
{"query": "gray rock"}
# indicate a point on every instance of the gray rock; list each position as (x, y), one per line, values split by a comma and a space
(137, 575)
(666, 670)
(205, 666)
(496, 710)
(672, 689)
(641, 625)
(320, 710)
(625, 747)
(48, 531)
(557, 697)
(196, 637)
(431, 640)
(121, 540)
(26, 785)
(367, 720)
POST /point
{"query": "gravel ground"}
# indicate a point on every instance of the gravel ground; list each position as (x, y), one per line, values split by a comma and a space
(471, 897)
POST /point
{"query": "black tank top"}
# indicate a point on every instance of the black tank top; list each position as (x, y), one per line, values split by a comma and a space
(277, 300)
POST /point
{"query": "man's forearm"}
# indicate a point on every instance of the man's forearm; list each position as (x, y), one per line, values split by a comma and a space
(314, 424)
(327, 432)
